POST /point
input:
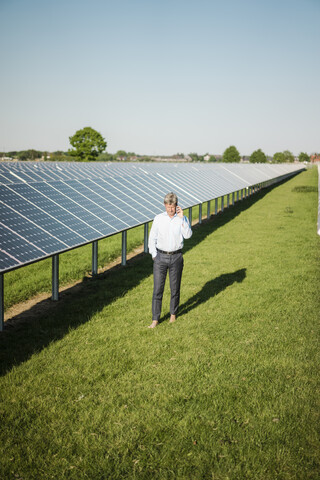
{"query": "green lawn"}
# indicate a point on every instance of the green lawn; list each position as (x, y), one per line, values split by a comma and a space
(230, 391)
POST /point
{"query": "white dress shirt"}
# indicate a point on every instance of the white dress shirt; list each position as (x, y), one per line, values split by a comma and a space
(168, 233)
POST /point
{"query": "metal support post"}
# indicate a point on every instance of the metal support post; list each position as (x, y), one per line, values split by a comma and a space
(95, 257)
(222, 204)
(232, 198)
(228, 200)
(241, 193)
(238, 196)
(1, 302)
(55, 277)
(208, 209)
(216, 206)
(190, 215)
(124, 248)
(200, 213)
(146, 234)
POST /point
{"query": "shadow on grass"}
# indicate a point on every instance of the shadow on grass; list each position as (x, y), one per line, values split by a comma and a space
(46, 322)
(209, 290)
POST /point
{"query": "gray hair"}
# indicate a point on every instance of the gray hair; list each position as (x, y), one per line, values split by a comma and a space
(171, 199)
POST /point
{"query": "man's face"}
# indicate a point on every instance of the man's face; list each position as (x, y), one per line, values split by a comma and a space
(170, 209)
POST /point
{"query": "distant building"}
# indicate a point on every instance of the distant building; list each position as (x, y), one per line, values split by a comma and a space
(315, 158)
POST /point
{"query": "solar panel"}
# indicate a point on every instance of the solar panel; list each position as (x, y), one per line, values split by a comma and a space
(47, 207)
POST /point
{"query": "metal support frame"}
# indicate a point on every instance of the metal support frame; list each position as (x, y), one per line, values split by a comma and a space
(216, 206)
(95, 258)
(222, 203)
(1, 302)
(241, 193)
(124, 248)
(146, 235)
(238, 196)
(208, 209)
(200, 212)
(55, 277)
(228, 200)
(190, 215)
(232, 198)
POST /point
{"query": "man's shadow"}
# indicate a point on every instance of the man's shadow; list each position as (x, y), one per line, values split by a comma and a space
(209, 290)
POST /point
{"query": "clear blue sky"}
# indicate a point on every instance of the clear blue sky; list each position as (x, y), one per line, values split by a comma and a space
(161, 77)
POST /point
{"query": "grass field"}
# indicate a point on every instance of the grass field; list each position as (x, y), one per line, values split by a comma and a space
(230, 391)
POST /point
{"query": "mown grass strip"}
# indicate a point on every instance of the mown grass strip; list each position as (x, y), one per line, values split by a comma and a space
(230, 391)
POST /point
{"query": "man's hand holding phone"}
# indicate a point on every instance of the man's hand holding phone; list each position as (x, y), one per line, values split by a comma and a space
(179, 211)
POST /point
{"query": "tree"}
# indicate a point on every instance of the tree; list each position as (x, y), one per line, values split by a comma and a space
(107, 157)
(288, 156)
(29, 154)
(304, 157)
(88, 144)
(194, 157)
(258, 156)
(279, 157)
(231, 155)
(121, 155)
(283, 157)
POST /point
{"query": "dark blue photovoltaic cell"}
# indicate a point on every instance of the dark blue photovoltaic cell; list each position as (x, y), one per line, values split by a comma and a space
(39, 215)
(123, 197)
(13, 245)
(7, 262)
(83, 220)
(123, 211)
(145, 197)
(29, 231)
(153, 181)
(100, 208)
(147, 189)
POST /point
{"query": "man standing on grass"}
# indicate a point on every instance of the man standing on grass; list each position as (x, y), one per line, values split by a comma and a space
(165, 245)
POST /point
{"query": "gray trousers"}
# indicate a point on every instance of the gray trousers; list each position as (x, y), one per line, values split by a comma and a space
(161, 264)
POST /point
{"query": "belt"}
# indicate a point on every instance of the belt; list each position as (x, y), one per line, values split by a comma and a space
(169, 253)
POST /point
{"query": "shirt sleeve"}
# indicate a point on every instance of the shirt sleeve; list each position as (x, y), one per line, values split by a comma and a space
(152, 244)
(186, 228)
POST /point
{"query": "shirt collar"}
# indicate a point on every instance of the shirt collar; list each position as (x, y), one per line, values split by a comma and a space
(171, 218)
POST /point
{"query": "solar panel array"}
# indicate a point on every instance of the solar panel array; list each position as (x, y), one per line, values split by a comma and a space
(47, 208)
